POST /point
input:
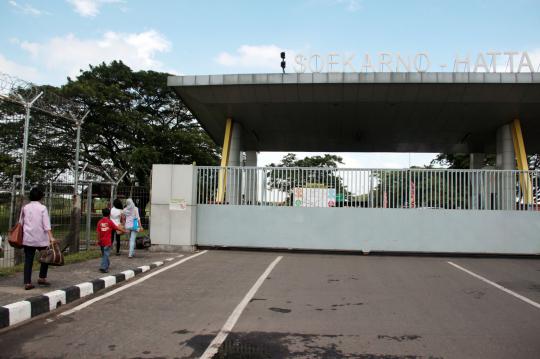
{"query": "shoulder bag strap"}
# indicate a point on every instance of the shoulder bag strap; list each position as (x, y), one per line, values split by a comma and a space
(21, 216)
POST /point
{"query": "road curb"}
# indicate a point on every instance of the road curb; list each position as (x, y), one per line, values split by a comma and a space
(23, 310)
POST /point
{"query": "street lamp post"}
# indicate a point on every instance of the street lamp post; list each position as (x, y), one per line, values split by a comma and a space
(77, 150)
(27, 106)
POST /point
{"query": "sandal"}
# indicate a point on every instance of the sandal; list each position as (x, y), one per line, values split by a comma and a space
(28, 286)
(43, 282)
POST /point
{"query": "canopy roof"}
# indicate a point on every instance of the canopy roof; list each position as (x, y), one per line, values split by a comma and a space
(366, 112)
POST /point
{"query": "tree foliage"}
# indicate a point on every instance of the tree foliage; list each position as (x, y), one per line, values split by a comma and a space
(459, 160)
(462, 161)
(316, 171)
(134, 121)
(326, 161)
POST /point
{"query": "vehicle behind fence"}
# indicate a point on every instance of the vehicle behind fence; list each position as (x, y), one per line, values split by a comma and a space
(369, 188)
(59, 201)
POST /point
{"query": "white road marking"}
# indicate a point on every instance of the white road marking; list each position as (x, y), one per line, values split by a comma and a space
(498, 286)
(235, 315)
(114, 291)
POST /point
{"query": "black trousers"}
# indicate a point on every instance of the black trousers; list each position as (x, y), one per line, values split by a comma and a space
(117, 237)
(29, 253)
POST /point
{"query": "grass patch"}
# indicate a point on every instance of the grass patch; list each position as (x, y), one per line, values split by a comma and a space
(68, 259)
(82, 256)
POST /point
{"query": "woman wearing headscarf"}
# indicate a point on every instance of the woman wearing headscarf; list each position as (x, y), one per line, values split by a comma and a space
(133, 224)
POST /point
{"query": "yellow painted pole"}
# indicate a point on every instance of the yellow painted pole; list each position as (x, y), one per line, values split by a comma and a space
(521, 159)
(222, 181)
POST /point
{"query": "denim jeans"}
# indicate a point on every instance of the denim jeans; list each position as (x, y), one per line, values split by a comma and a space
(105, 262)
(29, 253)
(132, 238)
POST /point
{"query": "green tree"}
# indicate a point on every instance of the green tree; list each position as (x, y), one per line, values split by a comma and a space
(314, 171)
(136, 120)
(459, 160)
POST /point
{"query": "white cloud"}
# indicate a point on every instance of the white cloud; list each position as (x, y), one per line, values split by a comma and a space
(90, 8)
(350, 5)
(31, 47)
(27, 9)
(255, 57)
(66, 55)
(24, 72)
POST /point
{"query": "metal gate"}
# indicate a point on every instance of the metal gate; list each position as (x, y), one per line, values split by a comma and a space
(411, 210)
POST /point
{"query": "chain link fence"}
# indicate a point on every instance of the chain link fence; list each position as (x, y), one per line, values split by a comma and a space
(58, 199)
(6, 252)
(37, 124)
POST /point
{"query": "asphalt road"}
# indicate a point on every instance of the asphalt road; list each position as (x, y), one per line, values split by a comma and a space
(309, 306)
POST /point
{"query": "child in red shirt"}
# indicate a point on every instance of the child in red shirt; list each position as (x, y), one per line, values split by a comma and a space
(104, 231)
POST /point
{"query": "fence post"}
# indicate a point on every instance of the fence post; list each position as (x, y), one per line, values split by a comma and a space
(112, 196)
(12, 203)
(88, 214)
(49, 199)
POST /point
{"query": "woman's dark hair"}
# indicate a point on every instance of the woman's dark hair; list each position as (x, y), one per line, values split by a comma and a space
(118, 204)
(36, 194)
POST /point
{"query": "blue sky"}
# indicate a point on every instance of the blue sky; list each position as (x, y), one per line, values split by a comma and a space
(46, 41)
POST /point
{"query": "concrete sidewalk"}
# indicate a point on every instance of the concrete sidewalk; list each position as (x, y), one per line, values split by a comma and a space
(12, 288)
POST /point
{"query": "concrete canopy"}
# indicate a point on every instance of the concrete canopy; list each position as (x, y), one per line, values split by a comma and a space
(366, 112)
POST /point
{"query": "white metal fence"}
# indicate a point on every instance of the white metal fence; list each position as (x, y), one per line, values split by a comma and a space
(369, 188)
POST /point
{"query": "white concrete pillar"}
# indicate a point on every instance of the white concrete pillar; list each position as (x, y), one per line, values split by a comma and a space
(506, 160)
(251, 188)
(476, 160)
(234, 176)
(236, 145)
(251, 158)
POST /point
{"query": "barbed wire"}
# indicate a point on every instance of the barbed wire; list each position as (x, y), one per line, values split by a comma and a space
(23, 92)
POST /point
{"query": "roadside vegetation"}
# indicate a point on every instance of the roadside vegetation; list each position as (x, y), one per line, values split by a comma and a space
(69, 259)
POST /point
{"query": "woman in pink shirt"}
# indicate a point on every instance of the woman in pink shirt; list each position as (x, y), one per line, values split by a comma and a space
(36, 236)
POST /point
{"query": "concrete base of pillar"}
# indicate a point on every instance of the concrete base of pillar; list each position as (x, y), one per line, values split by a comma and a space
(171, 248)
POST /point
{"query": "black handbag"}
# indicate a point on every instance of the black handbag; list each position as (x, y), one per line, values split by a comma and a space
(52, 255)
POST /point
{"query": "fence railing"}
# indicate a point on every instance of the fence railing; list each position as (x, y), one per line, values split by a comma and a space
(59, 202)
(369, 188)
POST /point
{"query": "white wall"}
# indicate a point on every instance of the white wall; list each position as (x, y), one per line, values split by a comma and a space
(363, 229)
(172, 227)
